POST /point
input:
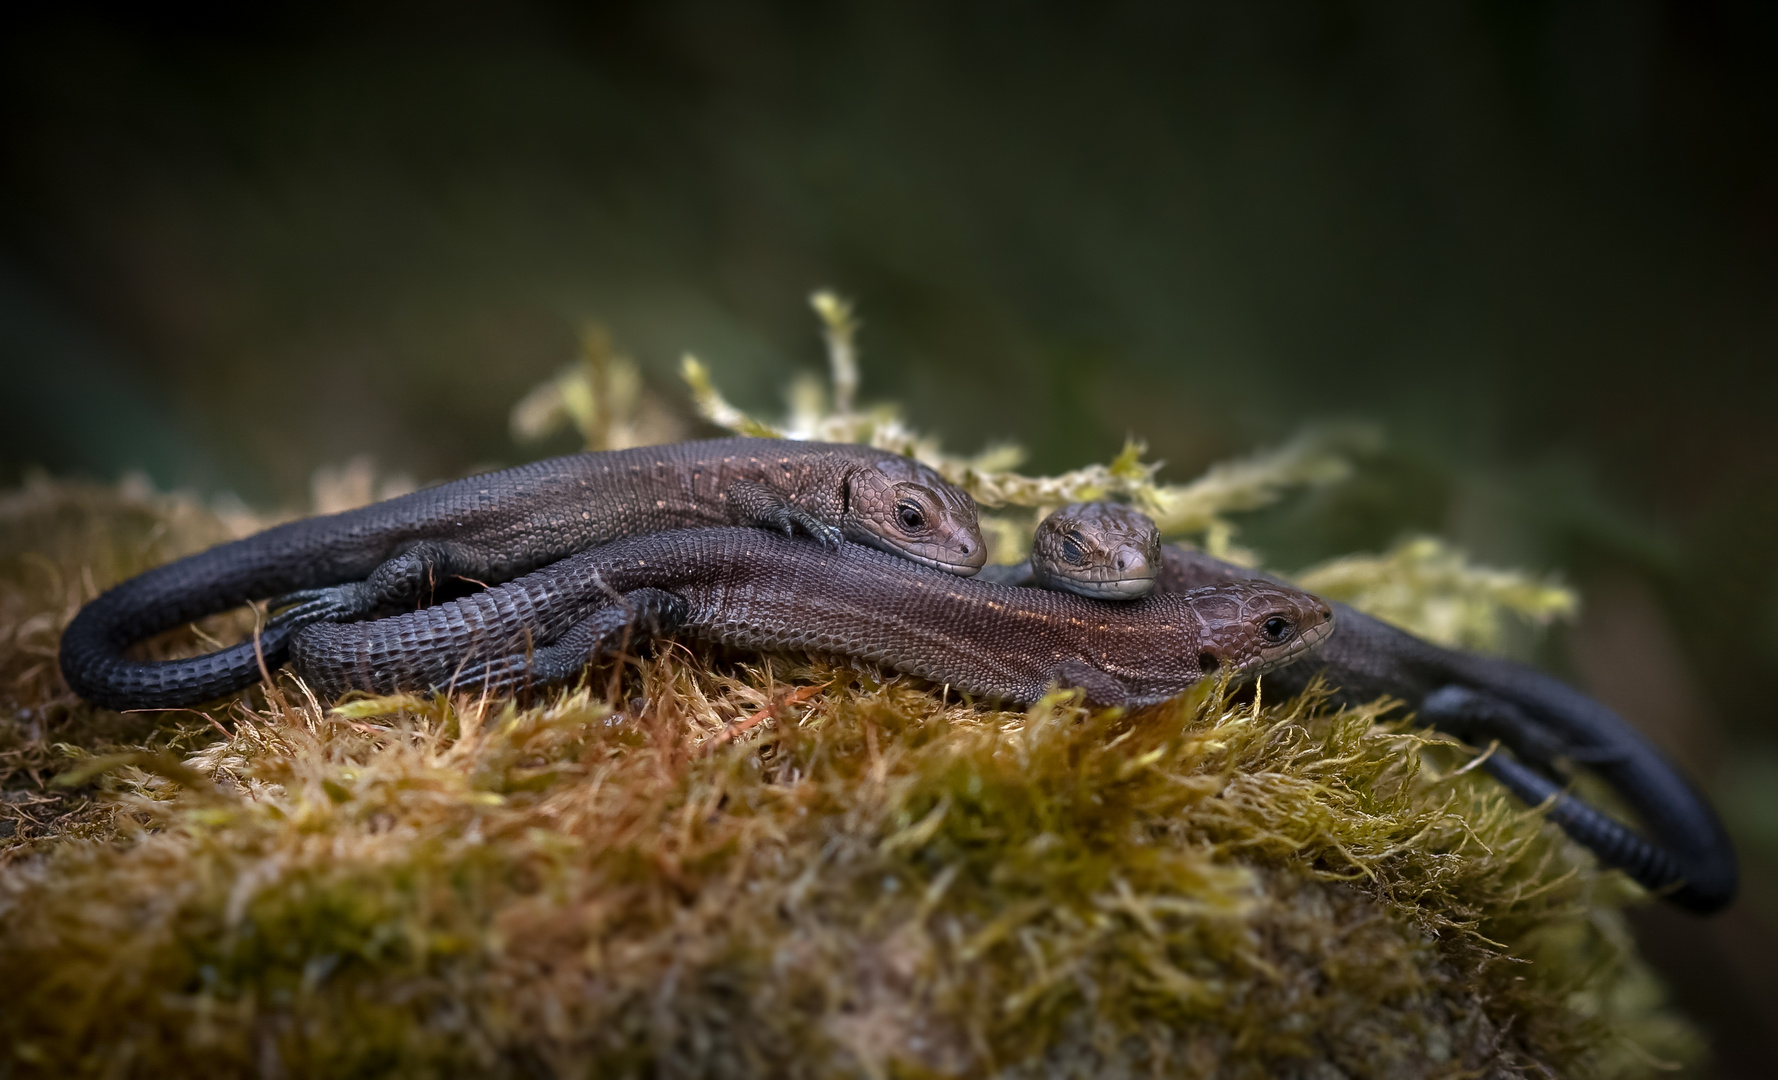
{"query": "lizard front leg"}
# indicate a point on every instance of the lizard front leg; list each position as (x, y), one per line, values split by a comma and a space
(1101, 688)
(762, 508)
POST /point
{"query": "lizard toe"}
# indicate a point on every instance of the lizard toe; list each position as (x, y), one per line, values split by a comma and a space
(828, 536)
(299, 615)
(310, 606)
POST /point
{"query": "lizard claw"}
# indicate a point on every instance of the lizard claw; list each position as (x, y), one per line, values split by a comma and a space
(828, 536)
(299, 596)
(305, 606)
(760, 506)
(790, 520)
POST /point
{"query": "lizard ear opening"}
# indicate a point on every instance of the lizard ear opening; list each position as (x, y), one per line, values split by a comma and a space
(1207, 662)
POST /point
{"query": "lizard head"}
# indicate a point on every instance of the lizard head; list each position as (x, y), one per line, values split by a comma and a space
(900, 506)
(1100, 549)
(1251, 627)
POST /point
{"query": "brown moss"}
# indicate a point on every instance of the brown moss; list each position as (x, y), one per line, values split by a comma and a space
(647, 876)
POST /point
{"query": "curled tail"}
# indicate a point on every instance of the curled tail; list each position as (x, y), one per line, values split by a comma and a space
(1367, 659)
(94, 659)
(1689, 860)
(96, 668)
(1613, 842)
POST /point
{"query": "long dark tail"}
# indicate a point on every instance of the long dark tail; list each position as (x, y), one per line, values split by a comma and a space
(1367, 658)
(1691, 860)
(93, 657)
(100, 673)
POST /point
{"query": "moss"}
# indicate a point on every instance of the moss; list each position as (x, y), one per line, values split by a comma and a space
(59, 544)
(1430, 589)
(732, 865)
(706, 864)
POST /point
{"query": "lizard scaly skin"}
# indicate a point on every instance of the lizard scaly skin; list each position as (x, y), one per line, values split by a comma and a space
(1543, 720)
(491, 528)
(750, 589)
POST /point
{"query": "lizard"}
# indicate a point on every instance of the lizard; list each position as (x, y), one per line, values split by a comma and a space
(1544, 721)
(1099, 549)
(491, 528)
(754, 590)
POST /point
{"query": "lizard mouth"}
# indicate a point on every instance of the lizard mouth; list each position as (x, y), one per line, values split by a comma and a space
(950, 565)
(1116, 589)
(1312, 637)
(957, 560)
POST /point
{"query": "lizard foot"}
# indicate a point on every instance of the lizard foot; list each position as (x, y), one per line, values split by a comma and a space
(828, 536)
(337, 603)
(400, 583)
(1692, 863)
(1477, 718)
(761, 507)
(790, 520)
(1101, 688)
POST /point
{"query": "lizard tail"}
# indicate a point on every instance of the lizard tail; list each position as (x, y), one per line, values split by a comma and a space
(1691, 862)
(96, 665)
(94, 651)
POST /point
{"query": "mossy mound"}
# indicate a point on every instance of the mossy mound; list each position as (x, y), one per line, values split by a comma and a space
(734, 865)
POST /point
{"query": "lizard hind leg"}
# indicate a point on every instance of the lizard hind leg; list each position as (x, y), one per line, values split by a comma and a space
(1101, 688)
(1479, 718)
(401, 583)
(642, 614)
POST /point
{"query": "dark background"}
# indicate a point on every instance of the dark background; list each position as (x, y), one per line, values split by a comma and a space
(1536, 242)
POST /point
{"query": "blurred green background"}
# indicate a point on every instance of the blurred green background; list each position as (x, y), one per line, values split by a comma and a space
(1537, 243)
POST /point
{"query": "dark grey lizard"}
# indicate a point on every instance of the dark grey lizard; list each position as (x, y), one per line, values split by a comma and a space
(491, 528)
(750, 589)
(1545, 722)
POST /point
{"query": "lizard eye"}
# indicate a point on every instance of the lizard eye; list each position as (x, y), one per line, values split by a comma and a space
(909, 514)
(1276, 629)
(1074, 550)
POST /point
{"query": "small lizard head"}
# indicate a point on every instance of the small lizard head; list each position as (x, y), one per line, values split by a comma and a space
(900, 506)
(1251, 627)
(1100, 549)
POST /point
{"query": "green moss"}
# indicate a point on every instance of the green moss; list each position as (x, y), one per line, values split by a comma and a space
(872, 879)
